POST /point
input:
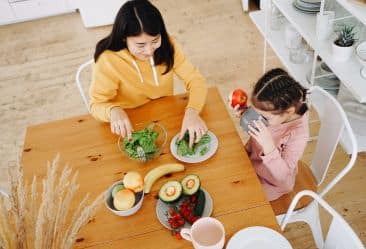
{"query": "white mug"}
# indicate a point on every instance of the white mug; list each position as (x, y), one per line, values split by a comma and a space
(325, 24)
(205, 233)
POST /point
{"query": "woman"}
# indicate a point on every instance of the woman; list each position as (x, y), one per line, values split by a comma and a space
(136, 64)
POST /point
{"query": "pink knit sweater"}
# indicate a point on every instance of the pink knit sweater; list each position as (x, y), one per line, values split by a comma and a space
(277, 170)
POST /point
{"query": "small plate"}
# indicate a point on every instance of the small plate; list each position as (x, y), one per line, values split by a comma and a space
(307, 6)
(312, 1)
(197, 158)
(162, 208)
(305, 11)
(258, 238)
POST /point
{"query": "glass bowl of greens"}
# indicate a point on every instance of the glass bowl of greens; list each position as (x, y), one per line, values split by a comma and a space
(147, 143)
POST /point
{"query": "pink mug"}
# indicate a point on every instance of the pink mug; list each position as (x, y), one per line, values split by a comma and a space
(205, 233)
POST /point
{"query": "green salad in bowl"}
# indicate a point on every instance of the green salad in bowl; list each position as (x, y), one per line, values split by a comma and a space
(147, 143)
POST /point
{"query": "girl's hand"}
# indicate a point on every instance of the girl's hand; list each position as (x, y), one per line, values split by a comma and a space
(120, 123)
(238, 112)
(263, 136)
(194, 124)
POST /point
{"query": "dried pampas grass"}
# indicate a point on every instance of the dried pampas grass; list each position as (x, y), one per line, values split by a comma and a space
(24, 224)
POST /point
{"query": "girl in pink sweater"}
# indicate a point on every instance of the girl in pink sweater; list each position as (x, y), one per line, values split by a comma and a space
(275, 150)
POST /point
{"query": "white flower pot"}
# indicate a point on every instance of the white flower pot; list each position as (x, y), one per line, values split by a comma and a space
(341, 53)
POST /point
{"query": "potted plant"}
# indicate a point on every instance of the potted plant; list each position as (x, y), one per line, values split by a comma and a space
(343, 44)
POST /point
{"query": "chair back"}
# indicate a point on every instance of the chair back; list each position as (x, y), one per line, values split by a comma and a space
(82, 88)
(333, 124)
(3, 192)
(340, 235)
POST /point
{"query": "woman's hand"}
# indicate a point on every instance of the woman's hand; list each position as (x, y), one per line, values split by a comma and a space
(263, 136)
(194, 124)
(120, 123)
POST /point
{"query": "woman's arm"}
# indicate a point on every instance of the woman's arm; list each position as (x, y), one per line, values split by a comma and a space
(194, 82)
(103, 89)
(196, 86)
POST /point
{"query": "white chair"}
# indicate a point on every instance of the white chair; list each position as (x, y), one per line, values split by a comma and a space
(333, 124)
(245, 5)
(2, 192)
(340, 235)
(79, 84)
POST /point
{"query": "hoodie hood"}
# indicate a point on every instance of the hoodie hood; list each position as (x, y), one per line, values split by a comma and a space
(127, 56)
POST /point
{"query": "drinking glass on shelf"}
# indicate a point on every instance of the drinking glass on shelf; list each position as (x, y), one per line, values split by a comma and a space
(276, 18)
(298, 55)
(293, 39)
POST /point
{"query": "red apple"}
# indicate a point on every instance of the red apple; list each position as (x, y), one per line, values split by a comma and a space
(238, 99)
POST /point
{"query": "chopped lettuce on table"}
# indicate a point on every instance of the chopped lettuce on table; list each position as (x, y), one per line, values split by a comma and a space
(183, 146)
(145, 139)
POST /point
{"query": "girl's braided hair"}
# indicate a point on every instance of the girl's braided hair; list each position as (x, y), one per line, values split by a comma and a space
(276, 91)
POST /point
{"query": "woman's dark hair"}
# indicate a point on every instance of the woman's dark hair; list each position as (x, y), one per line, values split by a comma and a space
(276, 91)
(134, 18)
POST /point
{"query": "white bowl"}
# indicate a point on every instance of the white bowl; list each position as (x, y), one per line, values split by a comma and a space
(361, 56)
(109, 202)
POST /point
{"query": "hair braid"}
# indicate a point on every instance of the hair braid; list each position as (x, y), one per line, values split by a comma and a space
(277, 91)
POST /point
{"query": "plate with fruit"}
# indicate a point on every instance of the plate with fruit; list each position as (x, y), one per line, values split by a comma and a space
(199, 152)
(181, 203)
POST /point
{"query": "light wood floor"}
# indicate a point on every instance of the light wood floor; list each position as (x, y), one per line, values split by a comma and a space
(39, 60)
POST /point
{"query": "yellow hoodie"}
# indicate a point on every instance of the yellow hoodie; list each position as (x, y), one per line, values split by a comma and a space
(121, 80)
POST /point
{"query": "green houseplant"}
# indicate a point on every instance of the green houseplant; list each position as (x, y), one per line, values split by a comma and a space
(343, 44)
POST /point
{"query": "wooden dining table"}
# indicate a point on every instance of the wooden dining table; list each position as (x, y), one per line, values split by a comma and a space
(89, 147)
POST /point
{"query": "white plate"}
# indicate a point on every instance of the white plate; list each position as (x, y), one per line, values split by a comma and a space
(305, 11)
(307, 6)
(197, 158)
(312, 1)
(162, 208)
(258, 238)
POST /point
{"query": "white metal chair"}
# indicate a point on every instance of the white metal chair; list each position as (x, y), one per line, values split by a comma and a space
(333, 124)
(79, 84)
(2, 192)
(340, 235)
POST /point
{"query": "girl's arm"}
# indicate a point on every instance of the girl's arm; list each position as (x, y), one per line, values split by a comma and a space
(279, 165)
(194, 82)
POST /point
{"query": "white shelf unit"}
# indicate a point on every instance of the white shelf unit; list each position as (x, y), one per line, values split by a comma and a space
(348, 72)
(276, 41)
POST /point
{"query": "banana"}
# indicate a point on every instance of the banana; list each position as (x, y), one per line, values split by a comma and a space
(154, 174)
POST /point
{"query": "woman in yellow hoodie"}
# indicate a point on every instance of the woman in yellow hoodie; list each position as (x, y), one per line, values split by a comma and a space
(136, 64)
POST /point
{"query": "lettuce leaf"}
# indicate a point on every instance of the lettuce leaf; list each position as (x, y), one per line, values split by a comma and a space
(183, 145)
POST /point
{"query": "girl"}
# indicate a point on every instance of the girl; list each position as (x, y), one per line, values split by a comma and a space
(135, 64)
(276, 149)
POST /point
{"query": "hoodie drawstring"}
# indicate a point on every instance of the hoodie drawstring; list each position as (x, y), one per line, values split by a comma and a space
(152, 64)
(138, 70)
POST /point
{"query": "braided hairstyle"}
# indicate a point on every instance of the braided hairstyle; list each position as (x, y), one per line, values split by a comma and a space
(276, 91)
